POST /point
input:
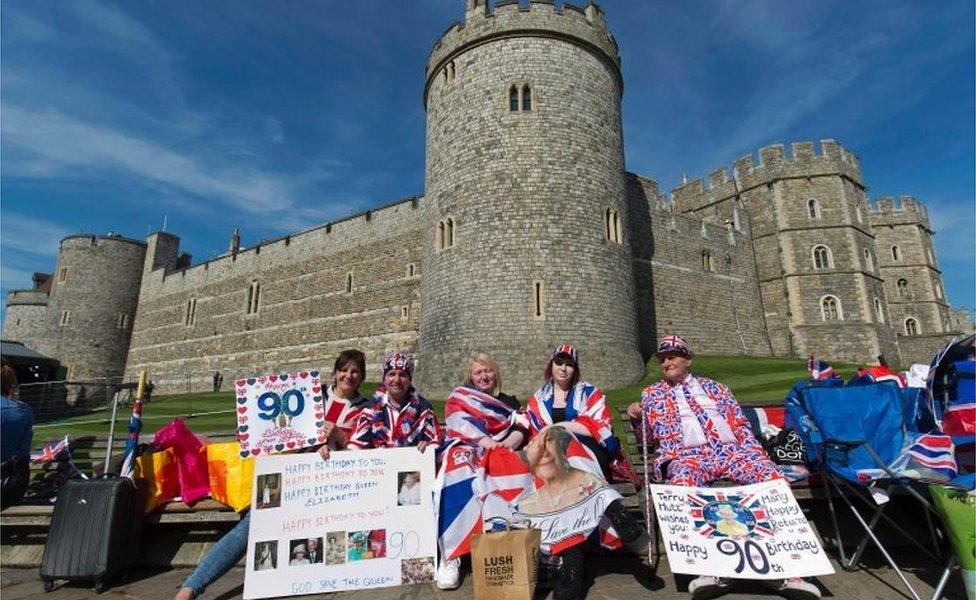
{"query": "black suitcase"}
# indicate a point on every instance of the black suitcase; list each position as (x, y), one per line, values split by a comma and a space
(95, 531)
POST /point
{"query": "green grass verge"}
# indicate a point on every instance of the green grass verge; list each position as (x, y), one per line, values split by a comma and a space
(755, 381)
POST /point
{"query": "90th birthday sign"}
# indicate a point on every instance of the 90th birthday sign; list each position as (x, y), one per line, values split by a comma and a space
(280, 412)
(751, 532)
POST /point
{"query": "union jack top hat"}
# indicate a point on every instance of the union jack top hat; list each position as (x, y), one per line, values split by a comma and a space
(673, 344)
(568, 350)
(398, 360)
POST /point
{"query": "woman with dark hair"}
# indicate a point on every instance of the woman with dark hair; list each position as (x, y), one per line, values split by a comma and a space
(566, 401)
(343, 405)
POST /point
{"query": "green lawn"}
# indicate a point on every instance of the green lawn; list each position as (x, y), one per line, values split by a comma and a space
(754, 381)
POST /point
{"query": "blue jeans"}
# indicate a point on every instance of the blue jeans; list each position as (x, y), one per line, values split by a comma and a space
(222, 557)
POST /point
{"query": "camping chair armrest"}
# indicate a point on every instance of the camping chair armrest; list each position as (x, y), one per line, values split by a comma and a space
(848, 444)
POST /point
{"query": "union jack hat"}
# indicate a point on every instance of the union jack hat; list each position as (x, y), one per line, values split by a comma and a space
(568, 350)
(673, 344)
(398, 360)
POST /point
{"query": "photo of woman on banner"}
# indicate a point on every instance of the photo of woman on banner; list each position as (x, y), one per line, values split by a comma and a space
(396, 416)
(343, 404)
(572, 503)
(479, 419)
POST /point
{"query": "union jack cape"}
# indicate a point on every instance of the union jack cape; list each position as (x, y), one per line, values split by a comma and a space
(470, 416)
(585, 405)
(380, 425)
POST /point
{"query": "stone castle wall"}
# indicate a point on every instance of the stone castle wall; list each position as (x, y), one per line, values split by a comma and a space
(527, 192)
(305, 314)
(26, 319)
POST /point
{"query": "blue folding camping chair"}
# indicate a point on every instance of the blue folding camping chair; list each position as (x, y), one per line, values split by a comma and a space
(857, 432)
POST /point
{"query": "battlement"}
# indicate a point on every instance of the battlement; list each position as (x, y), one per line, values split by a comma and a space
(586, 27)
(91, 239)
(887, 210)
(774, 163)
(27, 298)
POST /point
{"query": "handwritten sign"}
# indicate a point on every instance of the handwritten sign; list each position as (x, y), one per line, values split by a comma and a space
(749, 532)
(361, 519)
(279, 412)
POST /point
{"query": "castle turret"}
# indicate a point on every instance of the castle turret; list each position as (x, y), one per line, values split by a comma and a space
(525, 198)
(913, 282)
(93, 302)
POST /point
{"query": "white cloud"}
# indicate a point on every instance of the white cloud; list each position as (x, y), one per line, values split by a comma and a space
(29, 234)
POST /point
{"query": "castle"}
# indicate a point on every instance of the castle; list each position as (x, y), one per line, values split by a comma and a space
(530, 233)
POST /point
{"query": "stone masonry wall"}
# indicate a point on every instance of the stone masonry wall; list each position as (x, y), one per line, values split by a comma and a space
(305, 314)
(26, 320)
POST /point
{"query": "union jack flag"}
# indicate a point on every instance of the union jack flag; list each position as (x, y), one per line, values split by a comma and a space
(50, 452)
(820, 370)
(471, 415)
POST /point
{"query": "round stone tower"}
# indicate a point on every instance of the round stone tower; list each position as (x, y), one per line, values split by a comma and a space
(526, 241)
(93, 302)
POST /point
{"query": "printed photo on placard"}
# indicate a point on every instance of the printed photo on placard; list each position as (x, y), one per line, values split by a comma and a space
(408, 484)
(335, 548)
(266, 555)
(269, 491)
(315, 551)
(298, 554)
(417, 570)
(280, 412)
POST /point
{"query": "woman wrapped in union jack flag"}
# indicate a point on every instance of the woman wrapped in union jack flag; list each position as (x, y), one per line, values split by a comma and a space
(577, 406)
(479, 418)
(343, 405)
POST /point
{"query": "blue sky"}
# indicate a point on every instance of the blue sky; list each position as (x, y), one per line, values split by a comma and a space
(273, 116)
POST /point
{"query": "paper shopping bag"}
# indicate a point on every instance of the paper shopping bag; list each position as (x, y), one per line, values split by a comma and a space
(504, 564)
(230, 475)
(161, 474)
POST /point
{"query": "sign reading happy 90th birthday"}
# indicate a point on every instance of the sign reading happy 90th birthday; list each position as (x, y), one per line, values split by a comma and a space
(280, 412)
(749, 532)
(361, 519)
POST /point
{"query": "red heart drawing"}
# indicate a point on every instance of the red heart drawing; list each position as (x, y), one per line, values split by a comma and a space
(256, 451)
(243, 436)
(241, 410)
(272, 378)
(316, 388)
(290, 444)
(322, 438)
(319, 415)
(303, 374)
(239, 383)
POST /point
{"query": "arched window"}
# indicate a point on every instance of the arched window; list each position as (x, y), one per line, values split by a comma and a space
(445, 233)
(822, 258)
(911, 327)
(612, 226)
(903, 291)
(830, 309)
(513, 99)
(878, 311)
(526, 97)
(895, 253)
(813, 208)
(706, 261)
(868, 261)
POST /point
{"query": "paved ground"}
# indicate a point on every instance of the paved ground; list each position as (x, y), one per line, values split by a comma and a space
(619, 578)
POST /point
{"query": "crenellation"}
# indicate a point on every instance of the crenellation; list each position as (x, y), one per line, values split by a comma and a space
(802, 150)
(771, 156)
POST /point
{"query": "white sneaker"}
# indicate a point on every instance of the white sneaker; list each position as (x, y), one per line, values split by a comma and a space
(706, 586)
(795, 588)
(449, 574)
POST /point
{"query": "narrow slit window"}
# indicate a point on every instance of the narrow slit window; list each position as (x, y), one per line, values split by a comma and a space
(895, 253)
(526, 98)
(513, 99)
(813, 208)
(538, 299)
(65, 317)
(349, 282)
(63, 275)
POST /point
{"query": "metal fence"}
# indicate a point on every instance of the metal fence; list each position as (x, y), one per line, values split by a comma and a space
(53, 401)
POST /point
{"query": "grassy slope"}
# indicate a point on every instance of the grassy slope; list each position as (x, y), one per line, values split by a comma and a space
(753, 380)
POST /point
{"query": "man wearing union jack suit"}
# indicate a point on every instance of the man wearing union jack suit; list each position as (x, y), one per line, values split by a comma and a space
(702, 435)
(479, 419)
(397, 416)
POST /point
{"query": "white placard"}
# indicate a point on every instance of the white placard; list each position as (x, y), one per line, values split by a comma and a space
(371, 525)
(280, 412)
(747, 532)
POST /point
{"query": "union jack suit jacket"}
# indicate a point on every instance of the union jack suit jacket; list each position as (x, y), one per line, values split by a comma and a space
(380, 425)
(587, 406)
(664, 423)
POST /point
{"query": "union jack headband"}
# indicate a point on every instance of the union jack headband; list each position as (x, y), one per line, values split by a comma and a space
(398, 360)
(568, 350)
(674, 345)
